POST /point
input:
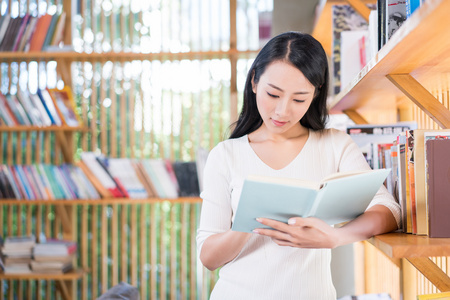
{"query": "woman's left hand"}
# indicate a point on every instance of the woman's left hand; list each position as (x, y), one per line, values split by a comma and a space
(300, 233)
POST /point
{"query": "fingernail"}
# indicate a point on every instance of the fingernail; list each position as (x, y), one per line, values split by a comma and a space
(291, 221)
(255, 231)
(259, 220)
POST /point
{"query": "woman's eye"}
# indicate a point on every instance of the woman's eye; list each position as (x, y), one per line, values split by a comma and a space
(271, 95)
(299, 101)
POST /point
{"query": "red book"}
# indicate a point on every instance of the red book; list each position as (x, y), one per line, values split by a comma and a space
(38, 38)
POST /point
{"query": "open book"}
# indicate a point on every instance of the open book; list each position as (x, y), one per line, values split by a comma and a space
(338, 198)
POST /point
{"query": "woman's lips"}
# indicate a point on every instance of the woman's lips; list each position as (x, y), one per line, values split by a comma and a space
(278, 123)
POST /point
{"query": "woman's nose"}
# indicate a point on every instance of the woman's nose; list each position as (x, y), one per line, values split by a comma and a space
(282, 107)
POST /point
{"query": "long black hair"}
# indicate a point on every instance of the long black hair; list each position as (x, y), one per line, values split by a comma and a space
(306, 54)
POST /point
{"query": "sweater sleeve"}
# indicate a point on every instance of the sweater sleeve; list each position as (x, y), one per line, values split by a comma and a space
(216, 211)
(351, 158)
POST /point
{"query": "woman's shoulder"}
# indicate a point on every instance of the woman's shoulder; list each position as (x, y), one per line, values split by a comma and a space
(331, 133)
(336, 137)
(230, 146)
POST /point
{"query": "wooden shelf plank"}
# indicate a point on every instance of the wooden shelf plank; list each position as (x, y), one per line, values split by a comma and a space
(82, 56)
(400, 245)
(413, 49)
(4, 128)
(102, 201)
(76, 274)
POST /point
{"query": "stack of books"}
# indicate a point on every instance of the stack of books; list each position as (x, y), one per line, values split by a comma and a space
(54, 256)
(16, 254)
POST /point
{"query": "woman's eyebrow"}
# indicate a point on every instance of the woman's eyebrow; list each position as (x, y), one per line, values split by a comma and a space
(281, 90)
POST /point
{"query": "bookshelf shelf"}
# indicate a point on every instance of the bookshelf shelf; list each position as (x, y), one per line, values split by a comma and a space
(82, 56)
(103, 201)
(412, 50)
(47, 128)
(72, 275)
(417, 250)
(400, 245)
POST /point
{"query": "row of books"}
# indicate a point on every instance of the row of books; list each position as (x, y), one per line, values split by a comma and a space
(45, 108)
(133, 178)
(419, 179)
(45, 182)
(31, 33)
(356, 41)
(96, 176)
(21, 255)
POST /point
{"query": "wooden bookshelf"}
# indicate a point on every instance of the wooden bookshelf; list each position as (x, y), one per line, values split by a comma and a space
(117, 56)
(416, 56)
(409, 67)
(53, 128)
(63, 280)
(417, 250)
(72, 275)
(103, 201)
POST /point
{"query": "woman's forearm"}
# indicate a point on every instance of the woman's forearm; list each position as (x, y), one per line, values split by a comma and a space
(221, 248)
(376, 220)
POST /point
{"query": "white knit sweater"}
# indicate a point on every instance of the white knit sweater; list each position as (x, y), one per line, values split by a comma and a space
(264, 270)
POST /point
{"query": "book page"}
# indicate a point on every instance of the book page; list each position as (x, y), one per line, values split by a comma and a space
(285, 181)
(344, 174)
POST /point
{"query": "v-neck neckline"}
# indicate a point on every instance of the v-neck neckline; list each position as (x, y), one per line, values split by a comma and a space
(310, 133)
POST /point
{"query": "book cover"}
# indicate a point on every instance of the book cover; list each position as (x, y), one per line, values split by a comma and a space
(37, 102)
(50, 31)
(85, 183)
(411, 179)
(345, 18)
(186, 173)
(119, 190)
(395, 16)
(21, 32)
(24, 42)
(411, 6)
(154, 178)
(15, 181)
(4, 25)
(38, 37)
(144, 178)
(29, 107)
(49, 106)
(17, 110)
(160, 175)
(98, 175)
(420, 137)
(338, 198)
(44, 180)
(65, 105)
(401, 176)
(123, 170)
(59, 30)
(438, 174)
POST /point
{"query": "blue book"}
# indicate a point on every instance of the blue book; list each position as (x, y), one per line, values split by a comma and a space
(411, 6)
(49, 106)
(339, 198)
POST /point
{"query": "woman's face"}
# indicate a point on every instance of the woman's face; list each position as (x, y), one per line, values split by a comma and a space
(283, 95)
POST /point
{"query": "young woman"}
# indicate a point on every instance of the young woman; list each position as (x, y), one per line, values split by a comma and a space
(281, 132)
